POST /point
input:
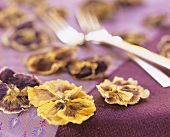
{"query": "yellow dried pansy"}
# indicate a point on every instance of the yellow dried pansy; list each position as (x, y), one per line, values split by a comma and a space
(49, 60)
(91, 68)
(155, 20)
(32, 3)
(164, 46)
(136, 38)
(11, 16)
(60, 102)
(101, 9)
(125, 3)
(122, 92)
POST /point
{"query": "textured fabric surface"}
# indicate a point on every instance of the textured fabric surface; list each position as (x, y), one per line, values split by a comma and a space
(148, 118)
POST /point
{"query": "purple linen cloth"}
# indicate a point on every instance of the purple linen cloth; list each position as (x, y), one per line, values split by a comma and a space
(148, 118)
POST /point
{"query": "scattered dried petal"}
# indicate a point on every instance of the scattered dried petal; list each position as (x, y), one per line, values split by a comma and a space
(164, 46)
(60, 102)
(32, 3)
(91, 68)
(128, 3)
(136, 38)
(155, 20)
(27, 36)
(13, 91)
(102, 9)
(20, 80)
(50, 60)
(15, 101)
(122, 92)
(41, 10)
(11, 16)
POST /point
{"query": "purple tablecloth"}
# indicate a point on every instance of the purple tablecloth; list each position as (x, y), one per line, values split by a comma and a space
(149, 118)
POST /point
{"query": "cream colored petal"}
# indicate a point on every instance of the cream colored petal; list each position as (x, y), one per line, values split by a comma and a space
(78, 110)
(58, 86)
(39, 95)
(120, 97)
(49, 111)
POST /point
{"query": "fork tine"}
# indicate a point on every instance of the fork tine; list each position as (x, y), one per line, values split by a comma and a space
(58, 20)
(88, 20)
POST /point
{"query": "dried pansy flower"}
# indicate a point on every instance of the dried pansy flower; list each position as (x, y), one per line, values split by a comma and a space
(13, 91)
(122, 92)
(102, 9)
(41, 10)
(60, 102)
(50, 60)
(91, 68)
(27, 36)
(155, 20)
(11, 16)
(32, 3)
(136, 38)
(164, 46)
(125, 3)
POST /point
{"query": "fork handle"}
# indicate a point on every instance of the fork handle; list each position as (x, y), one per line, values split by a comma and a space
(158, 75)
(102, 36)
(141, 52)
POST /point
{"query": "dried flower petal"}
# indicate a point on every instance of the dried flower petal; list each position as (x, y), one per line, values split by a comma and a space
(102, 9)
(20, 80)
(50, 60)
(15, 101)
(91, 68)
(164, 46)
(125, 3)
(32, 3)
(136, 38)
(11, 16)
(27, 36)
(122, 92)
(60, 102)
(13, 91)
(44, 9)
(155, 20)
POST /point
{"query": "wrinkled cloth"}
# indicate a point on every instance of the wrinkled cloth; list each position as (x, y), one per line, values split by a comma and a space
(148, 118)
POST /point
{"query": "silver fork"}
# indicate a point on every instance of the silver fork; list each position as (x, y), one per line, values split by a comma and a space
(97, 33)
(62, 29)
(89, 22)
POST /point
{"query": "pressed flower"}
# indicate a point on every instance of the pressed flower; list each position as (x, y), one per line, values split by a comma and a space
(164, 46)
(50, 60)
(125, 3)
(13, 91)
(136, 38)
(122, 92)
(32, 3)
(91, 68)
(27, 36)
(60, 102)
(155, 20)
(11, 16)
(102, 9)
(44, 9)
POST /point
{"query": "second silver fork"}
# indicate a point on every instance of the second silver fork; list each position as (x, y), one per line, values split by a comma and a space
(69, 35)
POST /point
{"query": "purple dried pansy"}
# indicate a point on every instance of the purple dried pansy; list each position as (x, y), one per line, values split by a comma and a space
(27, 35)
(20, 80)
(91, 68)
(13, 90)
(50, 60)
(10, 16)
